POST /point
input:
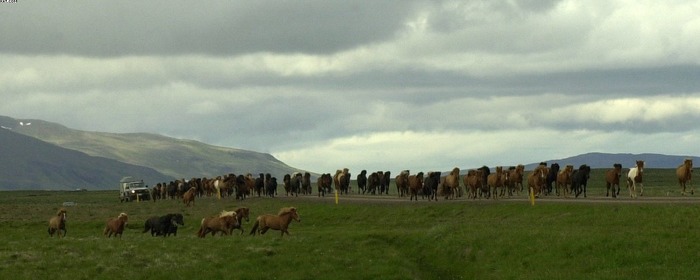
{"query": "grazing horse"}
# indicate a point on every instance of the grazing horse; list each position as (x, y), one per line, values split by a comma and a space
(495, 181)
(451, 184)
(634, 178)
(224, 223)
(612, 179)
(552, 176)
(684, 173)
(564, 180)
(164, 225)
(58, 223)
(415, 185)
(116, 225)
(536, 180)
(188, 197)
(279, 222)
(402, 182)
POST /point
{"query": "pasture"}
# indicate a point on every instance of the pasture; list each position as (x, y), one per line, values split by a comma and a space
(365, 237)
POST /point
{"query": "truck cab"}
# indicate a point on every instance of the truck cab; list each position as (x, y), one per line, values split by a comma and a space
(131, 189)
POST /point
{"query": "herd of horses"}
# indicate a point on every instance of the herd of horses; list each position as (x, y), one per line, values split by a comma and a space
(164, 226)
(477, 183)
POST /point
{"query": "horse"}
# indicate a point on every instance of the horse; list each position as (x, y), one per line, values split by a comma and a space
(552, 176)
(515, 179)
(342, 180)
(451, 185)
(188, 197)
(116, 225)
(415, 185)
(362, 182)
(684, 173)
(164, 225)
(473, 181)
(402, 182)
(224, 223)
(384, 180)
(579, 179)
(430, 185)
(495, 181)
(58, 223)
(270, 185)
(634, 178)
(564, 180)
(536, 180)
(612, 179)
(279, 222)
(323, 184)
(373, 181)
(241, 214)
(260, 184)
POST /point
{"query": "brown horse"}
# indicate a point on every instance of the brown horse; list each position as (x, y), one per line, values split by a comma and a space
(415, 185)
(116, 225)
(684, 173)
(241, 213)
(402, 182)
(224, 223)
(537, 179)
(515, 179)
(188, 197)
(612, 179)
(451, 184)
(495, 181)
(634, 178)
(323, 184)
(279, 222)
(473, 181)
(564, 180)
(58, 223)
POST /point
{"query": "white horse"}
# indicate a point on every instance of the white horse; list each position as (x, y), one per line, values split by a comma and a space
(634, 179)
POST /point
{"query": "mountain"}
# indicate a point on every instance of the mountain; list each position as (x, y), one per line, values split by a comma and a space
(606, 160)
(29, 163)
(177, 158)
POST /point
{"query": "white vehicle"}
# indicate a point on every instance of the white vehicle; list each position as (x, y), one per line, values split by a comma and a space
(131, 189)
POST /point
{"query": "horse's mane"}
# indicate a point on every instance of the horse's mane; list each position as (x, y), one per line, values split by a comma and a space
(122, 215)
(286, 210)
(61, 211)
(227, 213)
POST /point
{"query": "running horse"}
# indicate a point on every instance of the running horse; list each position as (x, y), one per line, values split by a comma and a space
(58, 223)
(634, 178)
(612, 179)
(684, 173)
(279, 222)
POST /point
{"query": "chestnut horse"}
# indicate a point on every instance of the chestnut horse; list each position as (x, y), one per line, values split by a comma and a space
(116, 225)
(415, 185)
(612, 179)
(515, 179)
(564, 180)
(188, 197)
(473, 181)
(402, 183)
(495, 181)
(224, 223)
(537, 179)
(451, 184)
(279, 222)
(58, 223)
(684, 173)
(634, 178)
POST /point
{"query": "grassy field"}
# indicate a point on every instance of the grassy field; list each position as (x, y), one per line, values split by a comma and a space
(362, 238)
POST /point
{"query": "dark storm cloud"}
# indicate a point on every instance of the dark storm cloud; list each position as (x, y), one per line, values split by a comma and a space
(219, 28)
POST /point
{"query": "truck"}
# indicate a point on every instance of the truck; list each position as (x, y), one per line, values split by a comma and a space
(131, 189)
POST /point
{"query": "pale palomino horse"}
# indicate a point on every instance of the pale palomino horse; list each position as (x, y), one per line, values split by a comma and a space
(634, 179)
(684, 173)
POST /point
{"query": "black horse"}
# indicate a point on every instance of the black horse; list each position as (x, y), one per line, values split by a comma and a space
(430, 185)
(164, 225)
(552, 177)
(362, 182)
(579, 179)
(260, 184)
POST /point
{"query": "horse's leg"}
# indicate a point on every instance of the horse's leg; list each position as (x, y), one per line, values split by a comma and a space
(641, 189)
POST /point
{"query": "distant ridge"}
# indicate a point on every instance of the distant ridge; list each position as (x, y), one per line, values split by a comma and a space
(606, 160)
(29, 163)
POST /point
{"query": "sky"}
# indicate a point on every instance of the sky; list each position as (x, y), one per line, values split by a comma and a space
(375, 85)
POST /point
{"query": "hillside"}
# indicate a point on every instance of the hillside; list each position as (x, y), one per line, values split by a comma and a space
(606, 160)
(173, 157)
(29, 163)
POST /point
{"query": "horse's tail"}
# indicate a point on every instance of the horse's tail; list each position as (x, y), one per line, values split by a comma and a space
(255, 227)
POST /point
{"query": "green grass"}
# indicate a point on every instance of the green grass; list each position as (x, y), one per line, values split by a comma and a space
(376, 239)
